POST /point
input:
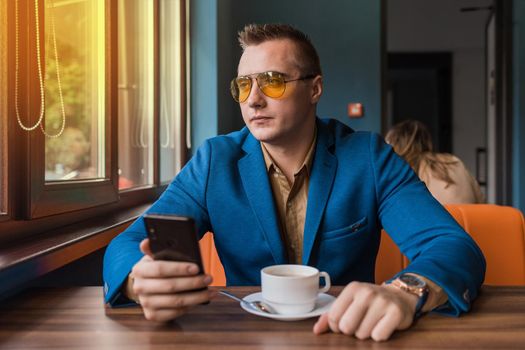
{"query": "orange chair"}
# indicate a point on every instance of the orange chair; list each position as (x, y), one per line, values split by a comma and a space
(210, 260)
(389, 259)
(500, 233)
(498, 230)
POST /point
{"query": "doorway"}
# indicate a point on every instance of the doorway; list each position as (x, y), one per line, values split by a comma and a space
(437, 56)
(420, 88)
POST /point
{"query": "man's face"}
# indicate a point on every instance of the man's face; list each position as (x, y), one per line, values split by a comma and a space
(278, 120)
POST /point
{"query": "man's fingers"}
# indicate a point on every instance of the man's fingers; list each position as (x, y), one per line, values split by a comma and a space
(340, 305)
(351, 318)
(386, 326)
(163, 315)
(321, 326)
(170, 285)
(166, 289)
(164, 269)
(366, 310)
(376, 311)
(145, 248)
(174, 301)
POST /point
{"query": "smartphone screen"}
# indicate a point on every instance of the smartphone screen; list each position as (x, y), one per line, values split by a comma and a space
(173, 238)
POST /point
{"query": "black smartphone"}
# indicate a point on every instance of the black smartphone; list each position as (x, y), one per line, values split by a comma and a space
(173, 238)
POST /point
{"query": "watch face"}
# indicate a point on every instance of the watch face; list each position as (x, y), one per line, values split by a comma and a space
(412, 281)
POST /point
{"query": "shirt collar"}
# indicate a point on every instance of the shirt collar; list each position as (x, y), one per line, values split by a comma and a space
(308, 160)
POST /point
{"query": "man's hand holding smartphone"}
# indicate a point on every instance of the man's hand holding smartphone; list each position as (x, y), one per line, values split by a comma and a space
(167, 289)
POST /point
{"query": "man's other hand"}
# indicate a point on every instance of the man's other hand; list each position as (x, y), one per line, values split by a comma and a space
(166, 289)
(369, 311)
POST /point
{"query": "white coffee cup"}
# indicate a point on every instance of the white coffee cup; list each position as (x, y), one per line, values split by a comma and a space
(292, 289)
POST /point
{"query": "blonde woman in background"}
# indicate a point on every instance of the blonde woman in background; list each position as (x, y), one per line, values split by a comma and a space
(444, 174)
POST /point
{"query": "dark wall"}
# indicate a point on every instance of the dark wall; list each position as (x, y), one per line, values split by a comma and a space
(519, 105)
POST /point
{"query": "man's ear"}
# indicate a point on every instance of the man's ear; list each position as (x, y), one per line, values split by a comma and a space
(317, 89)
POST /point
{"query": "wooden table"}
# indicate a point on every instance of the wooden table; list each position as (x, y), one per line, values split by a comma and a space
(75, 318)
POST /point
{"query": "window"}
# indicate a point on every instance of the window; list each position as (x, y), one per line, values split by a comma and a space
(63, 107)
(100, 144)
(74, 87)
(137, 91)
(172, 52)
(135, 96)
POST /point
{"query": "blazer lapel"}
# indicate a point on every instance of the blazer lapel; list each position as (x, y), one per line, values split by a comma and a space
(321, 180)
(259, 192)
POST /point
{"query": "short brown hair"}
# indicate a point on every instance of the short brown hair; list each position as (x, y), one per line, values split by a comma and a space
(255, 34)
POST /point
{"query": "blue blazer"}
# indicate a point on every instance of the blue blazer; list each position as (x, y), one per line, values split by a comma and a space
(358, 185)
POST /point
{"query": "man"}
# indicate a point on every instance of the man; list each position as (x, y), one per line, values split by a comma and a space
(291, 188)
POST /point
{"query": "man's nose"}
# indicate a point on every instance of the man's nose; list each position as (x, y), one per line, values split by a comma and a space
(256, 98)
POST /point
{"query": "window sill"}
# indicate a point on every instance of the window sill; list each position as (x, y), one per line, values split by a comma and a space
(23, 261)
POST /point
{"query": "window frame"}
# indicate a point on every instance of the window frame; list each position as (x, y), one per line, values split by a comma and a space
(3, 109)
(34, 206)
(44, 199)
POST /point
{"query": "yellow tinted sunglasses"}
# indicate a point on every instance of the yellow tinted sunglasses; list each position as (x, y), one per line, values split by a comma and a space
(272, 84)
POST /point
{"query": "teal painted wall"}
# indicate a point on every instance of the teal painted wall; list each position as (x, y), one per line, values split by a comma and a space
(518, 183)
(204, 96)
(345, 33)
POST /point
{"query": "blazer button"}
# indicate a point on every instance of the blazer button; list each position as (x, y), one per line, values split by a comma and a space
(466, 296)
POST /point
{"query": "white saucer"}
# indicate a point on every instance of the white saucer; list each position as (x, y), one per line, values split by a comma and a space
(322, 305)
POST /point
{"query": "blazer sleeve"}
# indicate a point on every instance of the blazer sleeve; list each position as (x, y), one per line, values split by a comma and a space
(186, 196)
(438, 248)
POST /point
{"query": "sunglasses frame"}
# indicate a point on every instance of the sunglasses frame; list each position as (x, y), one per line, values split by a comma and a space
(257, 76)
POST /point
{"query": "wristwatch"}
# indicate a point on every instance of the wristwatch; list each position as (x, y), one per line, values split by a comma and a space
(414, 285)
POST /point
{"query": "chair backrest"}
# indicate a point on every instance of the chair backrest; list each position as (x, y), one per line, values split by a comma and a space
(210, 260)
(389, 259)
(498, 230)
(500, 233)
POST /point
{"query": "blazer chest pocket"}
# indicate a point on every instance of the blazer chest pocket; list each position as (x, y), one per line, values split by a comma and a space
(355, 228)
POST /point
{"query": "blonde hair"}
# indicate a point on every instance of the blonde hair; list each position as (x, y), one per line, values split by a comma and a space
(412, 141)
(308, 59)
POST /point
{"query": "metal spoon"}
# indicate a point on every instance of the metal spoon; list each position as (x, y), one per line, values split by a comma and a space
(256, 305)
